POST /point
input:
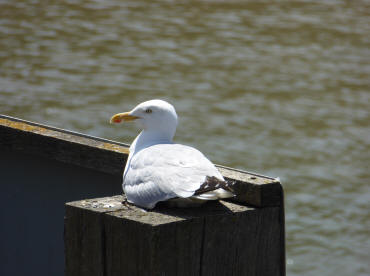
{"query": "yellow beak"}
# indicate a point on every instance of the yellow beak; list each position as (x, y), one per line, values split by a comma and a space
(117, 118)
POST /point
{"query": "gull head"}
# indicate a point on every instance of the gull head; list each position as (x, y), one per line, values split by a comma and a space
(151, 116)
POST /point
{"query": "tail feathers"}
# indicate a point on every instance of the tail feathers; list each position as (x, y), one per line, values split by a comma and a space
(214, 184)
(197, 200)
(213, 195)
(212, 189)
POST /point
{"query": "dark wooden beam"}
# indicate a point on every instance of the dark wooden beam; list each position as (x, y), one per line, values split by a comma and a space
(61, 145)
(110, 157)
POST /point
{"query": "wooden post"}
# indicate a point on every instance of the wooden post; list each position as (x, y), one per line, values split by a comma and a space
(105, 237)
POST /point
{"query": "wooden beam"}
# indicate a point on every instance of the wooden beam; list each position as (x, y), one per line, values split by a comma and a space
(62, 145)
(254, 189)
(110, 157)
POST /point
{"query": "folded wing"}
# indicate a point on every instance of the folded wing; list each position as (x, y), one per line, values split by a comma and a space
(164, 171)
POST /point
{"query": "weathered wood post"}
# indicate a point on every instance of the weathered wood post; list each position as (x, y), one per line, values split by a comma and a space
(243, 237)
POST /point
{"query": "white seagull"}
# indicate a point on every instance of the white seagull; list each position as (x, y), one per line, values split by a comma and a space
(159, 170)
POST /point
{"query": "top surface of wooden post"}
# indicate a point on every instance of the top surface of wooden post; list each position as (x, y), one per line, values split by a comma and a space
(159, 215)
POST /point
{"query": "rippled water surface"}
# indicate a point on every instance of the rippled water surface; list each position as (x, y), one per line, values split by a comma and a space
(276, 87)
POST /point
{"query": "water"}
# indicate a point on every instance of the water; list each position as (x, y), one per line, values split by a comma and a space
(280, 88)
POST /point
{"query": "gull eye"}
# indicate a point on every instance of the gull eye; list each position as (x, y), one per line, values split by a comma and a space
(148, 110)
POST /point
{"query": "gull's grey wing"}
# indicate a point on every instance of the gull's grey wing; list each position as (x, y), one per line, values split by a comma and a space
(165, 171)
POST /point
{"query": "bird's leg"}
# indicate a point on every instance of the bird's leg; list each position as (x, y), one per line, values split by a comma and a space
(127, 204)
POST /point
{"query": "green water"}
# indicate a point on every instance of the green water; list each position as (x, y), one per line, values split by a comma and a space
(275, 87)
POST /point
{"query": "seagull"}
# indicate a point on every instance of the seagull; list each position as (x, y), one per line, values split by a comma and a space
(159, 170)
